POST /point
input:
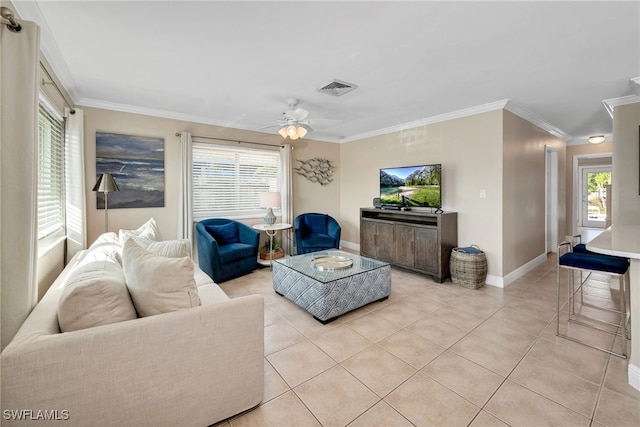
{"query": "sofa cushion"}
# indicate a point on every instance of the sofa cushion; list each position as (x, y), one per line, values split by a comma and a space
(148, 231)
(158, 284)
(315, 223)
(168, 248)
(224, 234)
(95, 293)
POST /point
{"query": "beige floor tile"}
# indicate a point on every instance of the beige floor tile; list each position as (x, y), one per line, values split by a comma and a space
(617, 378)
(378, 369)
(436, 331)
(305, 323)
(401, 313)
(270, 316)
(459, 317)
(336, 397)
(499, 333)
(424, 303)
(481, 308)
(274, 385)
(280, 335)
(546, 313)
(412, 348)
(373, 327)
(381, 415)
(468, 379)
(341, 342)
(285, 410)
(521, 322)
(564, 388)
(617, 410)
(492, 356)
(518, 406)
(300, 362)
(571, 357)
(424, 402)
(485, 419)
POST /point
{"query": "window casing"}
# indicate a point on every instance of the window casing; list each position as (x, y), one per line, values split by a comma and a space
(50, 173)
(227, 181)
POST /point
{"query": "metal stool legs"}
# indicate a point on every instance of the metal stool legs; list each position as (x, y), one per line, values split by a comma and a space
(583, 265)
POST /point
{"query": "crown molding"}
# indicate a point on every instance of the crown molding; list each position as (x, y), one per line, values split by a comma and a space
(610, 104)
(30, 11)
(430, 120)
(536, 120)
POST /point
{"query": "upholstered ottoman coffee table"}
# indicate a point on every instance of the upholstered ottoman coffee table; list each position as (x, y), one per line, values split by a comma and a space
(331, 289)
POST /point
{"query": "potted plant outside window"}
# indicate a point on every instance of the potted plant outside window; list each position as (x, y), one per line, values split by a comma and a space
(265, 250)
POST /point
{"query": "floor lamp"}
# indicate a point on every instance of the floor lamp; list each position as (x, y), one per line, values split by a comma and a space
(106, 184)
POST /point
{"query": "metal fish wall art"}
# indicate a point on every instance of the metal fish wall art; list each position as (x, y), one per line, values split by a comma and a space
(316, 170)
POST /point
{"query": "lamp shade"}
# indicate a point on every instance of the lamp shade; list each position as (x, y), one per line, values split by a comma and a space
(270, 199)
(106, 184)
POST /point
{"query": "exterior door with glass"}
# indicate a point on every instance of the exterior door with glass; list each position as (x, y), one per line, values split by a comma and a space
(594, 196)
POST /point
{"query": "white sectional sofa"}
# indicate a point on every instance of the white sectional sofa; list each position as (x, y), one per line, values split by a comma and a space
(190, 367)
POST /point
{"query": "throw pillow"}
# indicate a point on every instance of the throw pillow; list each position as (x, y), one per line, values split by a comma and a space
(158, 284)
(148, 230)
(167, 248)
(224, 234)
(95, 294)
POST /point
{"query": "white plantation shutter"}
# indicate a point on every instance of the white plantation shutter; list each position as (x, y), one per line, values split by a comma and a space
(50, 173)
(227, 181)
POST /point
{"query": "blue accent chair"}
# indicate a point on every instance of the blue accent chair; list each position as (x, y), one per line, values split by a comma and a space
(316, 232)
(226, 248)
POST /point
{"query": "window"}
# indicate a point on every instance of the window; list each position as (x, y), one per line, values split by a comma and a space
(227, 181)
(50, 173)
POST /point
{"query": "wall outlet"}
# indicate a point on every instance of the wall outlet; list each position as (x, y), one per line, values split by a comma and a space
(483, 194)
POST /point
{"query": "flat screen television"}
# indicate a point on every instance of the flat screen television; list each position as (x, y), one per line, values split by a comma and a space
(412, 186)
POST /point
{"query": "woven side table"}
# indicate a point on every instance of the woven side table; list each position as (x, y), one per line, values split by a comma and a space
(468, 267)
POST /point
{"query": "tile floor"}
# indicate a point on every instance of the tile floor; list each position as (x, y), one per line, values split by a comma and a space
(437, 354)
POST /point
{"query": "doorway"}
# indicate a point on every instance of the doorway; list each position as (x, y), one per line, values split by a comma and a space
(593, 195)
(551, 192)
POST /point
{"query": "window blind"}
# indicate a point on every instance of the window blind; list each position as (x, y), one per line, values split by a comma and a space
(50, 173)
(227, 181)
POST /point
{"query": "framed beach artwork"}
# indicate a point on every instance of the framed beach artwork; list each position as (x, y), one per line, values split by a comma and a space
(137, 166)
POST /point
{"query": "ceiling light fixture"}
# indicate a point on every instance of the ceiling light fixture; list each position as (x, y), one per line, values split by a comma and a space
(596, 139)
(292, 131)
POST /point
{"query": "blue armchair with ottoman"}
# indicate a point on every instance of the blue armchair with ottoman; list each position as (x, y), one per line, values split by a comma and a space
(226, 248)
(316, 232)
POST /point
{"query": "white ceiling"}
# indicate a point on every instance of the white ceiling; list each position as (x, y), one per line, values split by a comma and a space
(234, 63)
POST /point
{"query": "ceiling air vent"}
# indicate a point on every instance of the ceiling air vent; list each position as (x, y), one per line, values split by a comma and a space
(337, 87)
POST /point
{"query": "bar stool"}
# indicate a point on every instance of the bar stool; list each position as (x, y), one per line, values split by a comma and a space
(589, 262)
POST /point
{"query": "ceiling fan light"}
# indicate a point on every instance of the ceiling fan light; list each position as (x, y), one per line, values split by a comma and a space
(301, 132)
(292, 131)
(283, 132)
(596, 139)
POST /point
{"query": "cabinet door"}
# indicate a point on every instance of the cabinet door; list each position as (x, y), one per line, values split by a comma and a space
(426, 250)
(404, 245)
(385, 248)
(367, 238)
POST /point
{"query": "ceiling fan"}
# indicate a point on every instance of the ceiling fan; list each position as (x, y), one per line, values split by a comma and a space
(294, 123)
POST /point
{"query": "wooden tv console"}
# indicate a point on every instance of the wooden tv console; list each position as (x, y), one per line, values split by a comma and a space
(415, 240)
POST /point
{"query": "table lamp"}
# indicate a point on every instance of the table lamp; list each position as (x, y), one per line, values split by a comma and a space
(270, 200)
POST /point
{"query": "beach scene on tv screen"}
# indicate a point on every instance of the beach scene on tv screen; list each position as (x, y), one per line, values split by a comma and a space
(411, 186)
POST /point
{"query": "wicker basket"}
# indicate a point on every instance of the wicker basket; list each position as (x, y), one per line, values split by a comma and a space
(468, 269)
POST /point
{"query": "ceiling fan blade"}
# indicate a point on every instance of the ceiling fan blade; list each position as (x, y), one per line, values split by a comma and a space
(270, 126)
(297, 114)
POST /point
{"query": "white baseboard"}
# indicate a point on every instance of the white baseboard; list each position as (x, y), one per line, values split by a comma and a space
(503, 282)
(634, 376)
(350, 245)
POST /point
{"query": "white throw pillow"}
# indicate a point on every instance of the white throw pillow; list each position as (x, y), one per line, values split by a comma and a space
(158, 284)
(95, 294)
(167, 248)
(148, 231)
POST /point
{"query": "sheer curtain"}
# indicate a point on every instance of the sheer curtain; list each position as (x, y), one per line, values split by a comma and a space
(287, 194)
(185, 198)
(18, 173)
(75, 212)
